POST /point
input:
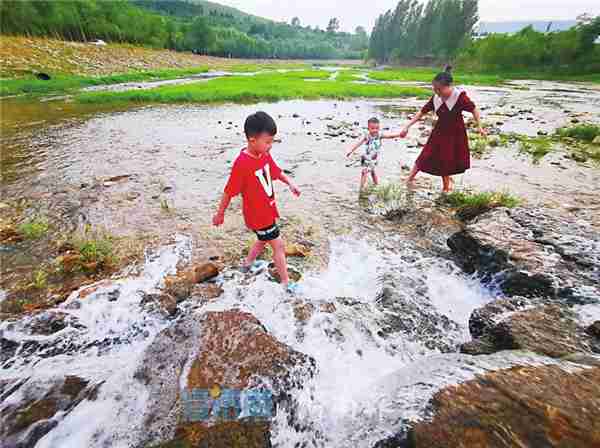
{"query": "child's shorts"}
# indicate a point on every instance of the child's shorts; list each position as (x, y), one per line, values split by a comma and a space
(268, 233)
(367, 163)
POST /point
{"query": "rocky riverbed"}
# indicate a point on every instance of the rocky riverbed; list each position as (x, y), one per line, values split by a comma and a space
(414, 326)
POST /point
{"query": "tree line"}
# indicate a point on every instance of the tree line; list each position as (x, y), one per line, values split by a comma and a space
(413, 31)
(179, 25)
(572, 50)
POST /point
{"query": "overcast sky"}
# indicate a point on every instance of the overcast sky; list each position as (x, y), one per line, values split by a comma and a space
(364, 12)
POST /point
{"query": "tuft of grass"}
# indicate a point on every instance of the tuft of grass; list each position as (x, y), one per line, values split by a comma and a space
(251, 89)
(584, 132)
(537, 147)
(389, 192)
(490, 199)
(34, 229)
(40, 279)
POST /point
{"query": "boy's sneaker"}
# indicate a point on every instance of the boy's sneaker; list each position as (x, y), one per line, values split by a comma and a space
(292, 288)
(255, 268)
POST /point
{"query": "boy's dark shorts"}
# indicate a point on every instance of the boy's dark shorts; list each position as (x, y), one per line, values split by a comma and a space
(268, 233)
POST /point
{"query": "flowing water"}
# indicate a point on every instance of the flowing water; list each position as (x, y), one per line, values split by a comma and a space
(401, 307)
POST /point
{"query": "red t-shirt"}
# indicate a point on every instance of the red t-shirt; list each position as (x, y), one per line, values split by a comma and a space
(253, 178)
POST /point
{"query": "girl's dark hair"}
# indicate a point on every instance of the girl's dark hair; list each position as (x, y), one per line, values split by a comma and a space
(258, 123)
(444, 78)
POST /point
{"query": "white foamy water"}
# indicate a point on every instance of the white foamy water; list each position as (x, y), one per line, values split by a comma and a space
(106, 351)
(351, 357)
(367, 383)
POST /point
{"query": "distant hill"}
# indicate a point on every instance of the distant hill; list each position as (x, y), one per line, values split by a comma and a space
(516, 26)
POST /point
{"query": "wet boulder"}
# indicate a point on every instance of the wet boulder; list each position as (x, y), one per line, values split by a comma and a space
(532, 253)
(181, 285)
(522, 406)
(413, 315)
(39, 407)
(204, 357)
(549, 330)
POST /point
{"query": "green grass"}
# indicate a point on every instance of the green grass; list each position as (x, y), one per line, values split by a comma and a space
(67, 83)
(249, 89)
(34, 229)
(490, 199)
(348, 75)
(536, 147)
(425, 74)
(478, 77)
(583, 132)
(253, 68)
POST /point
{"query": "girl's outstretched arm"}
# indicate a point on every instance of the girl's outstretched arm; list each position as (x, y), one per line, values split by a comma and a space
(355, 146)
(477, 116)
(416, 118)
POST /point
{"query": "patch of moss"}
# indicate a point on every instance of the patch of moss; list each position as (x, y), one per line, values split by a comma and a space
(490, 199)
(582, 132)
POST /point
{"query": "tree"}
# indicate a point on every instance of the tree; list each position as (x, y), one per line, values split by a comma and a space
(333, 26)
(296, 22)
(200, 36)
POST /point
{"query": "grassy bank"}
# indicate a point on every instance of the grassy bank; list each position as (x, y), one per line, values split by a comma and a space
(263, 87)
(67, 83)
(426, 74)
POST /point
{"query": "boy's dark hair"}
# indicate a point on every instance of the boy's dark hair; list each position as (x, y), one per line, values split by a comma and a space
(444, 78)
(373, 120)
(258, 123)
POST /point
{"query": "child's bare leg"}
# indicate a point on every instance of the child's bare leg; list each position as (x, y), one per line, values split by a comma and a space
(445, 184)
(374, 177)
(363, 179)
(278, 247)
(413, 173)
(256, 250)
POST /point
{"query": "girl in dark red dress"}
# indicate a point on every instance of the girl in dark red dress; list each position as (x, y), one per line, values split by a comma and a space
(447, 151)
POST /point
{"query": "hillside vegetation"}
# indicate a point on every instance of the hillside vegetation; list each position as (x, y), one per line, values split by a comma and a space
(199, 26)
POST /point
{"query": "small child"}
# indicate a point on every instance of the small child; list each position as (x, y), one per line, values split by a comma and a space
(370, 156)
(252, 175)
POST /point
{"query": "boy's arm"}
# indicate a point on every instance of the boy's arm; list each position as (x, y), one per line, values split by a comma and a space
(356, 146)
(286, 180)
(392, 135)
(219, 217)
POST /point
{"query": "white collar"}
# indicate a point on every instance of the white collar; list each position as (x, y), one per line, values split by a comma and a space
(450, 102)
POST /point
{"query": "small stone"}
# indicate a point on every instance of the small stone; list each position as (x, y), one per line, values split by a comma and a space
(295, 116)
(594, 329)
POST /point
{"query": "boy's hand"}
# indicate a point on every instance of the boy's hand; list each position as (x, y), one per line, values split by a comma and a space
(349, 154)
(218, 219)
(294, 190)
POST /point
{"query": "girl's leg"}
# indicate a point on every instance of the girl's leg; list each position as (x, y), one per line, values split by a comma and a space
(256, 250)
(374, 177)
(412, 175)
(446, 184)
(278, 247)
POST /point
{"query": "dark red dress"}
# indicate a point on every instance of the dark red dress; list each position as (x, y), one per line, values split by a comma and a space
(447, 151)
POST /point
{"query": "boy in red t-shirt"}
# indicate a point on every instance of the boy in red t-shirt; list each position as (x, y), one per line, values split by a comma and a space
(252, 175)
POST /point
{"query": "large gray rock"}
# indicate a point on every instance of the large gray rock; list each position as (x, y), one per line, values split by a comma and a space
(532, 253)
(520, 324)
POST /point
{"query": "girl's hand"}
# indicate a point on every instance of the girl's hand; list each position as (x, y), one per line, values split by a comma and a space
(482, 132)
(404, 132)
(295, 191)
